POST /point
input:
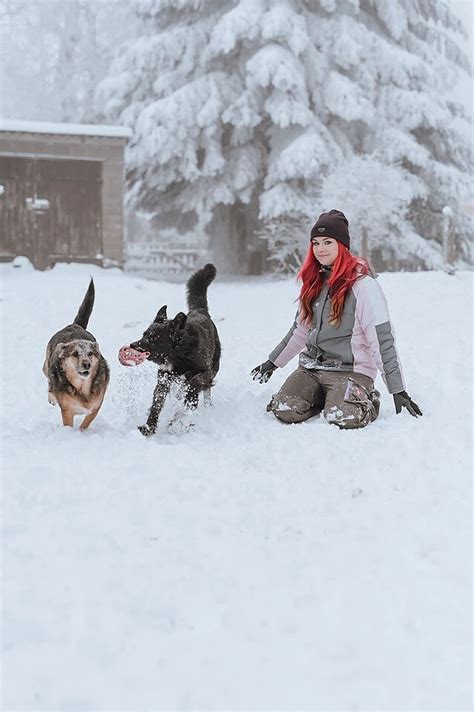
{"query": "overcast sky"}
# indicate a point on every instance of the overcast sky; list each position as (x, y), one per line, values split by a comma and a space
(465, 11)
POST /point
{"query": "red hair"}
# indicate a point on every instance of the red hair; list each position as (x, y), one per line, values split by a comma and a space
(346, 269)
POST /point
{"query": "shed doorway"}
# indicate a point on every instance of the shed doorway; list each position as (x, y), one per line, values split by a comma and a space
(50, 209)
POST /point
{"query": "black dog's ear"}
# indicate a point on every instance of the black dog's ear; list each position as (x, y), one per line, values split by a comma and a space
(177, 328)
(161, 316)
(179, 322)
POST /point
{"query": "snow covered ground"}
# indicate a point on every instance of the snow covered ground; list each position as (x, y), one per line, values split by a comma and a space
(243, 565)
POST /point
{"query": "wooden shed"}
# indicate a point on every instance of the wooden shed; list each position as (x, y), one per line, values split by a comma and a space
(61, 192)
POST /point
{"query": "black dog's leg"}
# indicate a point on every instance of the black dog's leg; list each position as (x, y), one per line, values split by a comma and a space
(191, 397)
(159, 396)
(195, 384)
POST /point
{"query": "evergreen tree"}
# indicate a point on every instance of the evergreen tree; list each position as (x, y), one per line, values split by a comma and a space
(256, 115)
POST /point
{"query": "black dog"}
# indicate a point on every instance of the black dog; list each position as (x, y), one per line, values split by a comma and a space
(186, 349)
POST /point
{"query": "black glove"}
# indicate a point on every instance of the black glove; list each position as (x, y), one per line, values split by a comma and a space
(263, 372)
(403, 400)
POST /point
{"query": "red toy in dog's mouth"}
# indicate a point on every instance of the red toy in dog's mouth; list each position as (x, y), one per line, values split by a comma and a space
(131, 357)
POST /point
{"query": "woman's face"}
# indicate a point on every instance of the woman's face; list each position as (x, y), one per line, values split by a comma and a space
(325, 250)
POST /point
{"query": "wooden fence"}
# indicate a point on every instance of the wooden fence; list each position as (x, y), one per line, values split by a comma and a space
(153, 261)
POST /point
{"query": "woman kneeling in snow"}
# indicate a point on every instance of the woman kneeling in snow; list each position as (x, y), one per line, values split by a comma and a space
(343, 331)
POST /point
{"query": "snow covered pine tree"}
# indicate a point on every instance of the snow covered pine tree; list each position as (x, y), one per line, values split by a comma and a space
(255, 114)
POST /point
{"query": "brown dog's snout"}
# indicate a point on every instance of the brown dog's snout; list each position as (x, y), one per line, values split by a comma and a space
(86, 365)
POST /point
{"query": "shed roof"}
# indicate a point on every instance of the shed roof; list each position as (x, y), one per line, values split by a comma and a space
(46, 127)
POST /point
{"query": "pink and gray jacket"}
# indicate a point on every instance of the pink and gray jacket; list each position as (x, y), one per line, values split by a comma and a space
(362, 343)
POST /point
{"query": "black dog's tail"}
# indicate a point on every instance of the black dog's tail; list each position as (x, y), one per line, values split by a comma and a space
(197, 286)
(85, 310)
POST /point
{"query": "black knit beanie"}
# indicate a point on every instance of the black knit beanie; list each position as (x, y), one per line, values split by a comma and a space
(332, 224)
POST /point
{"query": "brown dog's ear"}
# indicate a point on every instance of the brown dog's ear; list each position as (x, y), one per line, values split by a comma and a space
(59, 350)
(161, 316)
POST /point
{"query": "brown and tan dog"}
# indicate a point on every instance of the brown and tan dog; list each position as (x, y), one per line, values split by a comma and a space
(77, 373)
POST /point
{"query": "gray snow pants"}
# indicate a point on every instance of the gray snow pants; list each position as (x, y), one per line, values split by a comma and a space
(346, 399)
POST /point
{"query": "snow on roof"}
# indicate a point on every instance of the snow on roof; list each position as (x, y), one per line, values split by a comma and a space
(70, 129)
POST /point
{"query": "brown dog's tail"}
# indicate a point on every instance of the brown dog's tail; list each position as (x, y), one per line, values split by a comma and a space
(197, 286)
(85, 310)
